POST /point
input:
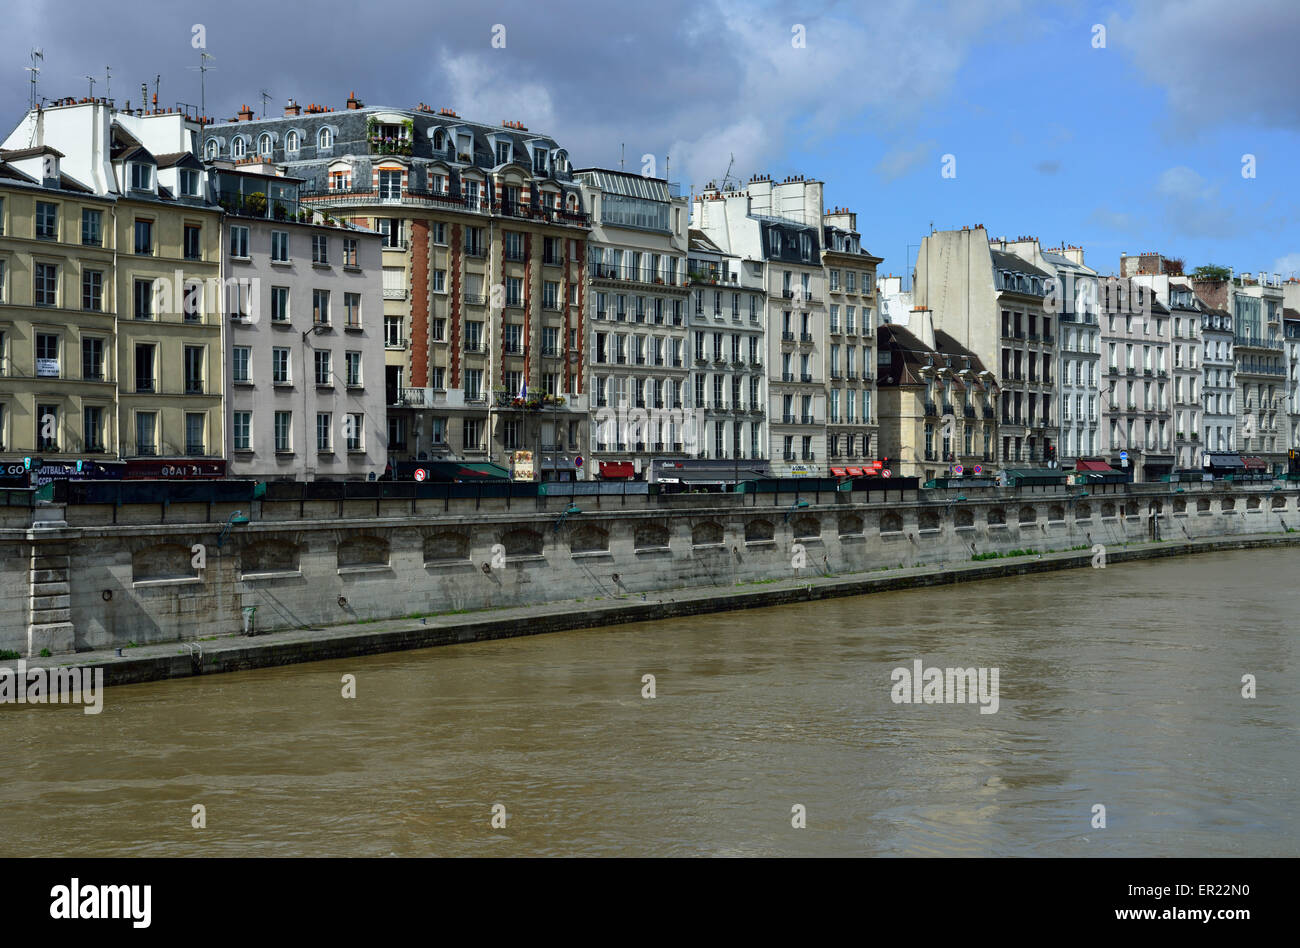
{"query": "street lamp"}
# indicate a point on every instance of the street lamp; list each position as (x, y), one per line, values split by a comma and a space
(797, 505)
(236, 517)
(571, 509)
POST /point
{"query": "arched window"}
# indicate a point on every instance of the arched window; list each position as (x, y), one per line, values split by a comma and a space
(213, 148)
(291, 141)
(439, 140)
(264, 145)
(237, 148)
(324, 139)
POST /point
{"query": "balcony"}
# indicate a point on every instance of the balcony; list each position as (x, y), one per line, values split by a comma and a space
(809, 456)
(789, 456)
(931, 410)
(806, 377)
(807, 420)
(787, 336)
(968, 411)
(787, 376)
(787, 419)
(805, 337)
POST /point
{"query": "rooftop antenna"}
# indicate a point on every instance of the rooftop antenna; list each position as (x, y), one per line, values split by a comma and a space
(91, 80)
(108, 81)
(727, 177)
(157, 81)
(265, 97)
(202, 68)
(622, 152)
(37, 54)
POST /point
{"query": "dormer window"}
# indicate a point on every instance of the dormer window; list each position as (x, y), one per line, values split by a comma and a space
(291, 141)
(324, 138)
(805, 246)
(213, 149)
(189, 182)
(539, 160)
(503, 153)
(439, 141)
(237, 148)
(141, 177)
(264, 145)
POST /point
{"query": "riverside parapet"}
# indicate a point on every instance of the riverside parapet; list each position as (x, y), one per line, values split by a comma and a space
(307, 567)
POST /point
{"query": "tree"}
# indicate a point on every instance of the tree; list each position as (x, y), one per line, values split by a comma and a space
(1211, 271)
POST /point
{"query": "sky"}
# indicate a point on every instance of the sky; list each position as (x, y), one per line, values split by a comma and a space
(1159, 125)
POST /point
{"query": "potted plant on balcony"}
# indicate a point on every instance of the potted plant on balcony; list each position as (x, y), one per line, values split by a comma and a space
(280, 211)
(256, 203)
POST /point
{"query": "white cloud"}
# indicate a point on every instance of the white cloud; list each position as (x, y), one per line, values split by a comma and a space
(1288, 266)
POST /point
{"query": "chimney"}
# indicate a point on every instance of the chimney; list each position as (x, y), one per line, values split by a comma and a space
(353, 101)
(292, 108)
(245, 114)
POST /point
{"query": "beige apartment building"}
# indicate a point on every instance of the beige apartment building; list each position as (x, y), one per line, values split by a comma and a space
(110, 323)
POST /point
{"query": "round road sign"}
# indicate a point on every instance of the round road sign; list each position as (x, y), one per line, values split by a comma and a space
(577, 461)
(886, 473)
(958, 469)
(421, 473)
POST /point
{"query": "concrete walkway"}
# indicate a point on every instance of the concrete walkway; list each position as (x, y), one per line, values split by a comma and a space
(239, 652)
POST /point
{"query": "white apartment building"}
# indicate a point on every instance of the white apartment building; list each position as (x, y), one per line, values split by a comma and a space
(775, 229)
(1137, 410)
(728, 350)
(851, 422)
(637, 280)
(1190, 372)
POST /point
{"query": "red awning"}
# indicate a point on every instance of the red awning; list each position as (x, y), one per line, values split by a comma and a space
(616, 469)
(838, 472)
(855, 472)
(1254, 464)
(1101, 467)
(877, 465)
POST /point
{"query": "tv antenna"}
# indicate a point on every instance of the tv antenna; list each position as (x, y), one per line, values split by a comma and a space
(265, 98)
(35, 70)
(727, 177)
(108, 81)
(91, 80)
(203, 68)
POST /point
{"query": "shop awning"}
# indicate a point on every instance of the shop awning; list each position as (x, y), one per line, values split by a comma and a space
(617, 469)
(1224, 460)
(856, 472)
(1253, 463)
(1100, 467)
(456, 471)
(839, 472)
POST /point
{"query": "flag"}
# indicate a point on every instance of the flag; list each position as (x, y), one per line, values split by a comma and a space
(523, 389)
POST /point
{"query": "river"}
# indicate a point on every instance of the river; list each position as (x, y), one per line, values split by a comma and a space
(1118, 687)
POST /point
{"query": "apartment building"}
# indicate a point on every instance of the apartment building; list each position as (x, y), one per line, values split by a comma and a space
(851, 419)
(1260, 373)
(305, 339)
(728, 349)
(1137, 411)
(776, 230)
(637, 285)
(937, 401)
(1219, 386)
(1291, 333)
(484, 247)
(994, 304)
(110, 325)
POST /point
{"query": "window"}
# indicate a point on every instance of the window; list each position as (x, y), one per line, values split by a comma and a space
(144, 367)
(283, 431)
(471, 434)
(240, 364)
(141, 177)
(143, 300)
(45, 285)
(393, 332)
(242, 430)
(92, 290)
(92, 223)
(291, 141)
(47, 355)
(353, 369)
(92, 358)
(514, 291)
(439, 229)
(239, 242)
(144, 236)
(279, 246)
(350, 252)
(320, 307)
(352, 310)
(391, 229)
(279, 304)
(390, 185)
(264, 145)
(324, 432)
(2, 281)
(323, 367)
(319, 249)
(47, 221)
(354, 430)
(189, 182)
(92, 427)
(194, 357)
(195, 425)
(324, 138)
(47, 427)
(474, 384)
(146, 433)
(212, 149)
(280, 366)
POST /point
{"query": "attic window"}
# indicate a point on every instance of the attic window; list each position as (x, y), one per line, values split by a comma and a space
(237, 148)
(213, 148)
(291, 141)
(141, 177)
(503, 153)
(189, 182)
(264, 146)
(324, 139)
(539, 160)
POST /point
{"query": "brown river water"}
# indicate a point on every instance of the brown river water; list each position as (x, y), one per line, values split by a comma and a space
(1119, 687)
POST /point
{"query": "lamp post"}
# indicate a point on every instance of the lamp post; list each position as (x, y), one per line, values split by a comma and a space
(315, 330)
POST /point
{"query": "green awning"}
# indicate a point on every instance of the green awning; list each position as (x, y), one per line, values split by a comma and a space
(465, 471)
(1036, 476)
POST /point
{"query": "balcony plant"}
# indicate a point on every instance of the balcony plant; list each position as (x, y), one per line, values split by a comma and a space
(256, 203)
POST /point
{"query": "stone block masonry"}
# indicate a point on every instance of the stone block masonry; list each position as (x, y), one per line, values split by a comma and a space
(95, 585)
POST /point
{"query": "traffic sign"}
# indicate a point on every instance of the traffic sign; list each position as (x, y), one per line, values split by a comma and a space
(886, 473)
(1123, 455)
(577, 461)
(958, 469)
(421, 473)
(978, 469)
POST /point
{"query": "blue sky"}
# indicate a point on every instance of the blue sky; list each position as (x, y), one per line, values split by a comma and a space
(1134, 146)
